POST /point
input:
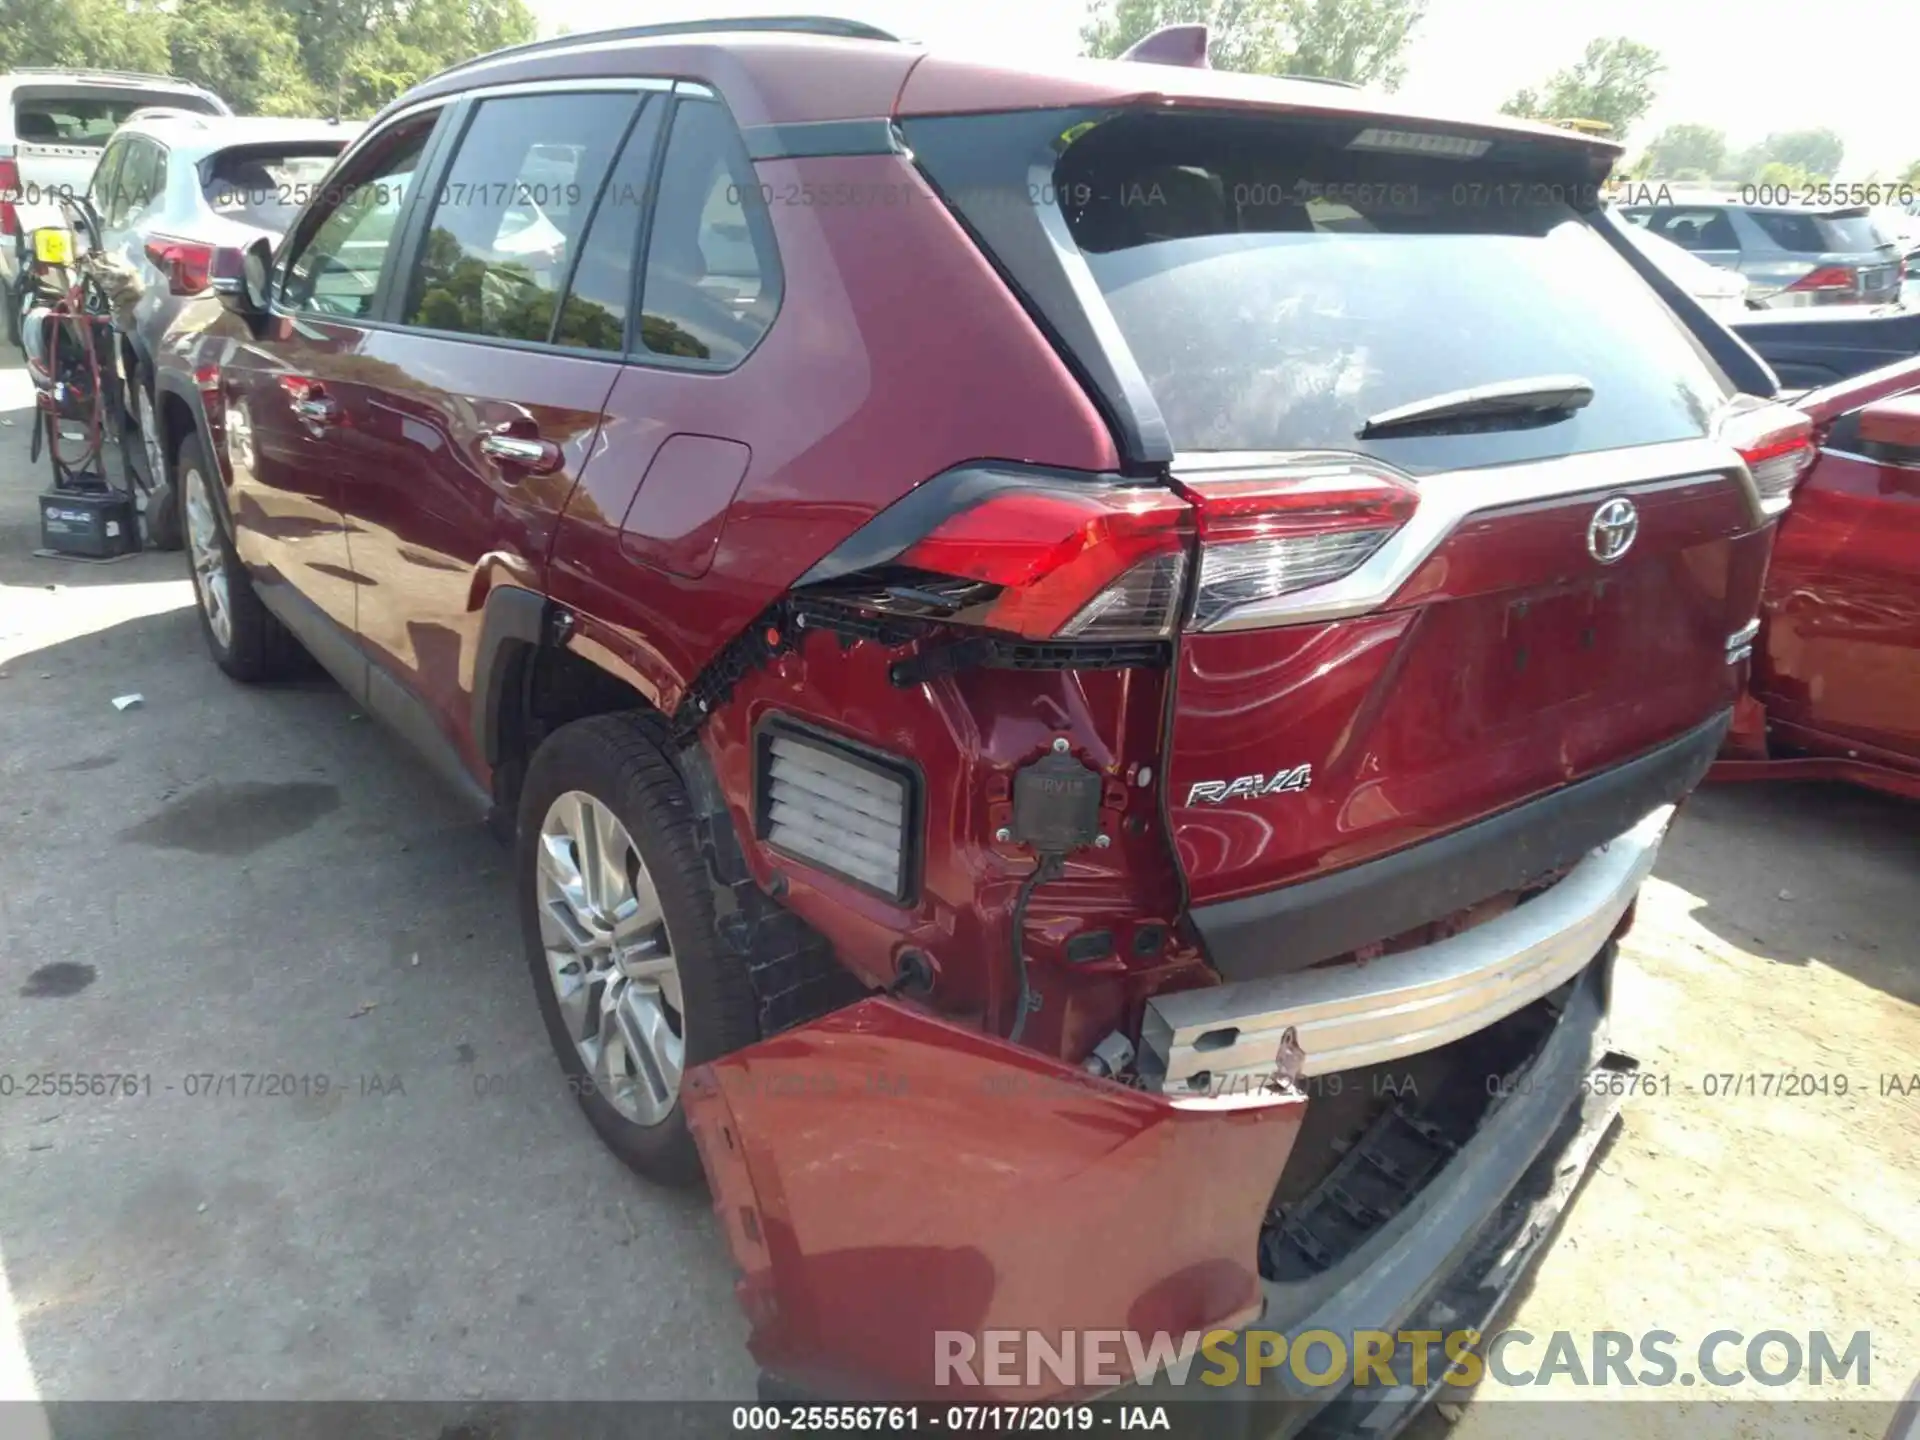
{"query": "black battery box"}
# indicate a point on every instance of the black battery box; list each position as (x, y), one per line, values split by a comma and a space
(97, 525)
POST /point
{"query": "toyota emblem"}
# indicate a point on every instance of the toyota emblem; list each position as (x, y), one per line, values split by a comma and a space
(1610, 533)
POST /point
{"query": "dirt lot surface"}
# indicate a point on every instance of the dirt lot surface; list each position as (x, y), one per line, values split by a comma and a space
(225, 880)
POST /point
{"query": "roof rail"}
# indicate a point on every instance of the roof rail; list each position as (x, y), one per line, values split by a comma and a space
(172, 80)
(1326, 80)
(828, 25)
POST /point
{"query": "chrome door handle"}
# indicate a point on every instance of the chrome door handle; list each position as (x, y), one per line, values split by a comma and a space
(539, 456)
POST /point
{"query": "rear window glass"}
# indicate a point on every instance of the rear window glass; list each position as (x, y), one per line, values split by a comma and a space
(265, 188)
(1277, 290)
(1817, 234)
(48, 117)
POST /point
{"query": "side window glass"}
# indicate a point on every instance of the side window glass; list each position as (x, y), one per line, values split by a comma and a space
(336, 268)
(712, 282)
(593, 316)
(100, 188)
(147, 182)
(509, 214)
(128, 181)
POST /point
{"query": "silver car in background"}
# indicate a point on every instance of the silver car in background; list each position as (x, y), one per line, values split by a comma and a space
(1792, 255)
(171, 188)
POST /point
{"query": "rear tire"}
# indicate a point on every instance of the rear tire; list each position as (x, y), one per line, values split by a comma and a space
(163, 511)
(244, 637)
(633, 979)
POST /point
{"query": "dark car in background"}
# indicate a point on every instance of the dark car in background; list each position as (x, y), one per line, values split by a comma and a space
(1024, 674)
(1791, 255)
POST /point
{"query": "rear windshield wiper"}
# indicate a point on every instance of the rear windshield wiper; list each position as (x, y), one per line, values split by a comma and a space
(1539, 397)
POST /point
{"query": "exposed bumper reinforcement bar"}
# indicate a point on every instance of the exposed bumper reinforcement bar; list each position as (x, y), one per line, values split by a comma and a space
(1352, 1015)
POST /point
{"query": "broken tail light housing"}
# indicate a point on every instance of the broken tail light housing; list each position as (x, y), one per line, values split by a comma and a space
(1290, 527)
(1776, 442)
(1086, 563)
(187, 264)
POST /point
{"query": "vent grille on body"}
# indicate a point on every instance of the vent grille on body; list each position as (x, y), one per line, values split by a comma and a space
(837, 808)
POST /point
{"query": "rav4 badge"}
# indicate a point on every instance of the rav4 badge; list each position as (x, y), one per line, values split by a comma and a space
(1251, 787)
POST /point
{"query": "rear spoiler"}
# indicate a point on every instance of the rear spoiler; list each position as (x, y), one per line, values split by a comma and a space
(1741, 362)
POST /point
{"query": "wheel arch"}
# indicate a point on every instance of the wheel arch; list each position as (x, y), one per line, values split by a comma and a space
(180, 410)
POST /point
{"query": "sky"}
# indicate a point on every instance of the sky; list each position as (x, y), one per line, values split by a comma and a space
(1764, 65)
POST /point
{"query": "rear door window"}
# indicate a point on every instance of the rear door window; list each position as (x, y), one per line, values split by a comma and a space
(511, 211)
(600, 290)
(712, 283)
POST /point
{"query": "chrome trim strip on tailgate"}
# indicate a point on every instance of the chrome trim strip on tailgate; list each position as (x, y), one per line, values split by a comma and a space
(1449, 498)
(1401, 1004)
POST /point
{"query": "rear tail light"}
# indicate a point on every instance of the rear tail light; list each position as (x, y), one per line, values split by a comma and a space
(187, 264)
(1290, 528)
(1777, 444)
(838, 807)
(1828, 277)
(9, 192)
(1092, 563)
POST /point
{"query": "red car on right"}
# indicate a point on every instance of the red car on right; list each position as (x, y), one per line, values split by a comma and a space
(1835, 689)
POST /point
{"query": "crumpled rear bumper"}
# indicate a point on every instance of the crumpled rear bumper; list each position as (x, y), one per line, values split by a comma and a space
(884, 1176)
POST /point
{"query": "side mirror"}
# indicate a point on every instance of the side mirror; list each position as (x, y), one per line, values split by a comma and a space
(240, 278)
(1890, 430)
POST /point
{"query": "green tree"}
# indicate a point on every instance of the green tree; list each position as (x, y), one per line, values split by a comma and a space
(1779, 173)
(1611, 82)
(1358, 40)
(1680, 151)
(104, 34)
(247, 52)
(1818, 152)
(271, 57)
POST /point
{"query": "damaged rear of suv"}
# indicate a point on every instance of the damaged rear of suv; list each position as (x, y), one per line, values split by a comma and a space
(1296, 777)
(1087, 710)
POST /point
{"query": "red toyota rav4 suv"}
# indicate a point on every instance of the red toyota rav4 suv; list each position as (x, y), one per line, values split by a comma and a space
(1085, 661)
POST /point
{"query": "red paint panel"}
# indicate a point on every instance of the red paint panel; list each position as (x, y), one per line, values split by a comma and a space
(1840, 652)
(897, 353)
(968, 733)
(1509, 664)
(883, 1176)
(681, 506)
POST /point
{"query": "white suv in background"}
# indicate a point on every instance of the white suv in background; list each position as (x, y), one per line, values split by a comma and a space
(53, 126)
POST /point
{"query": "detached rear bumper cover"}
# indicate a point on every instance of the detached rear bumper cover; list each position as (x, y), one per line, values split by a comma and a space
(883, 1176)
(1346, 1016)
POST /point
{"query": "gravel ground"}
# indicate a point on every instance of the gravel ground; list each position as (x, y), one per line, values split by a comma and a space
(229, 880)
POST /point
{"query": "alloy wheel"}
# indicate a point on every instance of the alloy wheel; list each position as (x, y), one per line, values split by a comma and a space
(208, 556)
(610, 958)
